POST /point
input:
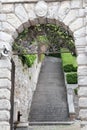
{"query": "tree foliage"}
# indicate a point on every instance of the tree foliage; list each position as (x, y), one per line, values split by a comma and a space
(55, 36)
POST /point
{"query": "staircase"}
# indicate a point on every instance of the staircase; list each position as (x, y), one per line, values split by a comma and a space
(49, 101)
(74, 126)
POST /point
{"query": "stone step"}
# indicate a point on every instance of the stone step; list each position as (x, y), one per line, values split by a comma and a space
(56, 127)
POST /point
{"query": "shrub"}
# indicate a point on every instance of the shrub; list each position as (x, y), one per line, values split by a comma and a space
(74, 69)
(70, 68)
(71, 78)
(28, 59)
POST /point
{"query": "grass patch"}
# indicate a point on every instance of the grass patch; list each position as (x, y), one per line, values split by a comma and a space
(68, 58)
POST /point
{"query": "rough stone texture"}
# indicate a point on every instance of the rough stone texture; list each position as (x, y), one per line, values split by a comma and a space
(2, 17)
(52, 10)
(63, 10)
(68, 19)
(6, 27)
(83, 114)
(7, 8)
(80, 33)
(5, 63)
(81, 59)
(22, 16)
(83, 102)
(15, 22)
(30, 10)
(5, 83)
(25, 85)
(5, 73)
(5, 104)
(76, 4)
(82, 80)
(82, 70)
(4, 94)
(78, 23)
(4, 115)
(82, 92)
(4, 126)
(6, 37)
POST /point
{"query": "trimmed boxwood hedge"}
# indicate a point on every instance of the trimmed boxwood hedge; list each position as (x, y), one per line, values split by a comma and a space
(69, 68)
(71, 78)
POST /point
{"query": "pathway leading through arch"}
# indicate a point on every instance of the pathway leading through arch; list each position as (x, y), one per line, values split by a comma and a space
(49, 102)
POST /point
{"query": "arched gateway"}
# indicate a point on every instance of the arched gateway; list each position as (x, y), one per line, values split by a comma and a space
(19, 14)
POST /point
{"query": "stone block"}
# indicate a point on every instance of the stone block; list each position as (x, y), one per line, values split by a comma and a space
(4, 115)
(4, 94)
(2, 17)
(5, 73)
(6, 37)
(4, 125)
(6, 27)
(63, 10)
(81, 12)
(83, 102)
(15, 22)
(80, 33)
(82, 92)
(82, 70)
(82, 80)
(21, 15)
(5, 63)
(5, 83)
(82, 59)
(80, 42)
(8, 8)
(71, 16)
(77, 24)
(5, 104)
(53, 10)
(80, 50)
(76, 4)
(83, 114)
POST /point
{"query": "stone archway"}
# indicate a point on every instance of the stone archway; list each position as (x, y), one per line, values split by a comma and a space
(17, 15)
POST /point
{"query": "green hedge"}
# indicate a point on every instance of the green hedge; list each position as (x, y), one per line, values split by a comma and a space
(71, 78)
(69, 68)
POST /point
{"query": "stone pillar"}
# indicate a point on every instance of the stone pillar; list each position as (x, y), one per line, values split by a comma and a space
(82, 74)
(5, 92)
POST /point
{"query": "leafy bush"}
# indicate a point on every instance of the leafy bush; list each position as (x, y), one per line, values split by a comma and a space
(28, 59)
(71, 78)
(70, 68)
(74, 69)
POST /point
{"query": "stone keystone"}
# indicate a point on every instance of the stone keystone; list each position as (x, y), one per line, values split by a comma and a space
(41, 8)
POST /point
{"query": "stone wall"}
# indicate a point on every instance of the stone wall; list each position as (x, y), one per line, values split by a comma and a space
(20, 14)
(25, 85)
